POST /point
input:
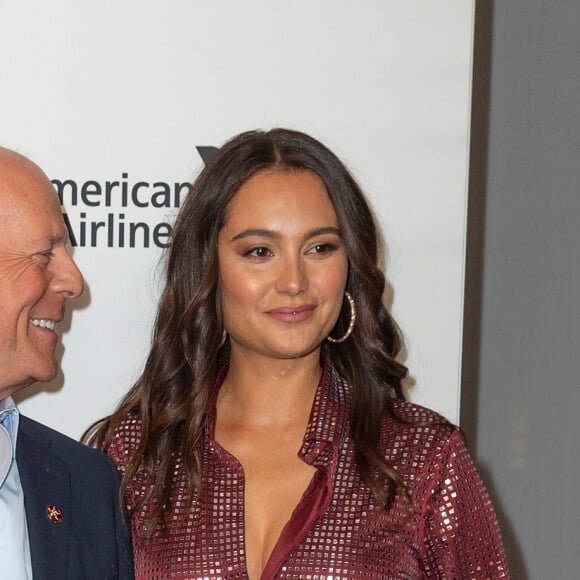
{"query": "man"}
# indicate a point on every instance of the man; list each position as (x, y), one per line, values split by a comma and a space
(59, 510)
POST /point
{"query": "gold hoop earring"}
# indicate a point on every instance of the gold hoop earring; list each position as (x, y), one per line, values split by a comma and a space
(350, 328)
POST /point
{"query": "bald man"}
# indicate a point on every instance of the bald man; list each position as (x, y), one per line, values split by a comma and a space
(59, 509)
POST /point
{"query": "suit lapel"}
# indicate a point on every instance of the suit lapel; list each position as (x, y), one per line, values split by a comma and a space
(46, 482)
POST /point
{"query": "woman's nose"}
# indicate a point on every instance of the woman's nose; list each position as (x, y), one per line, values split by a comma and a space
(292, 277)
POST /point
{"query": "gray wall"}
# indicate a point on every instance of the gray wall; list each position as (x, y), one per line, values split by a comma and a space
(521, 383)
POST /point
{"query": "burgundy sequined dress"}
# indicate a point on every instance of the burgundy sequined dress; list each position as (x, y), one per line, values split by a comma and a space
(338, 531)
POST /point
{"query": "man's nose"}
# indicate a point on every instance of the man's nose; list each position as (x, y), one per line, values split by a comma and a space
(68, 278)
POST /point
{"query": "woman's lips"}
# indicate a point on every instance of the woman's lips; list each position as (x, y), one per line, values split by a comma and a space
(292, 313)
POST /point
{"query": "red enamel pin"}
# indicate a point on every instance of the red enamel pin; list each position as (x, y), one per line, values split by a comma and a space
(54, 514)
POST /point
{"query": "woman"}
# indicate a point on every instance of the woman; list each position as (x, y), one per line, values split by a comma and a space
(268, 436)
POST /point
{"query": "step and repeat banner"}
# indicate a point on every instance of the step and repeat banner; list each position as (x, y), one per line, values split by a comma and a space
(120, 102)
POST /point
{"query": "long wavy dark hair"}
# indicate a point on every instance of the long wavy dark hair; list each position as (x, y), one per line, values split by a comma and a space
(173, 395)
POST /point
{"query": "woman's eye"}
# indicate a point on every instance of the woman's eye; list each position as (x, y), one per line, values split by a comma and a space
(259, 252)
(322, 249)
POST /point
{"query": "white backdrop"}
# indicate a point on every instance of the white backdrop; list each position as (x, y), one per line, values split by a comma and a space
(125, 91)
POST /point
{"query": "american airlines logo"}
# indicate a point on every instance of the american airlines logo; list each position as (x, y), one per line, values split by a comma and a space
(106, 213)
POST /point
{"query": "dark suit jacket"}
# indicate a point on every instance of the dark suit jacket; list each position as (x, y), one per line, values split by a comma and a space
(91, 542)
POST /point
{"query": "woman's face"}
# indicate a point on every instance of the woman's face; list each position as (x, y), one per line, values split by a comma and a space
(282, 265)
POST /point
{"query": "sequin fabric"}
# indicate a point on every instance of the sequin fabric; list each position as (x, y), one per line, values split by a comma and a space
(338, 531)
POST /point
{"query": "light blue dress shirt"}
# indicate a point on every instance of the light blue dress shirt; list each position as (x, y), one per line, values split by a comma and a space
(15, 560)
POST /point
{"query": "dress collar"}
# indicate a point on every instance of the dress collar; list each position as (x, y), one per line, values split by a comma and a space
(329, 417)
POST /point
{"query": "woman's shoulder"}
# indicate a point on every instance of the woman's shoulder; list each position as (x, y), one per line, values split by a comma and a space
(415, 414)
(125, 440)
(420, 444)
(419, 427)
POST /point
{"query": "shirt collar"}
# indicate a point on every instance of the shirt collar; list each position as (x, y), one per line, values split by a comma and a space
(329, 418)
(331, 406)
(9, 418)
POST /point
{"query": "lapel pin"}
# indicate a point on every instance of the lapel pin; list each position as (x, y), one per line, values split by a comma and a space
(54, 514)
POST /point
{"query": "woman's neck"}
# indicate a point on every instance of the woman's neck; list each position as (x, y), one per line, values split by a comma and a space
(264, 391)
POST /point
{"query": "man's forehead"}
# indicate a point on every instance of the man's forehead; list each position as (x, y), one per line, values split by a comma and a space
(22, 184)
(25, 203)
(15, 167)
(8, 153)
(27, 198)
(26, 231)
(13, 164)
(32, 220)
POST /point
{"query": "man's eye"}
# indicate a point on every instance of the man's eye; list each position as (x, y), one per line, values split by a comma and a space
(43, 258)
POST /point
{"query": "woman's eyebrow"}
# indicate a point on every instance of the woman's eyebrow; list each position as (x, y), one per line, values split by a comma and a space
(322, 231)
(264, 233)
(257, 232)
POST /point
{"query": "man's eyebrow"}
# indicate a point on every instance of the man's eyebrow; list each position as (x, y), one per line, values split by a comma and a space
(264, 233)
(50, 240)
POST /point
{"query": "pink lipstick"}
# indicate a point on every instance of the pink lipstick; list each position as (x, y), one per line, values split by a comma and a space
(292, 313)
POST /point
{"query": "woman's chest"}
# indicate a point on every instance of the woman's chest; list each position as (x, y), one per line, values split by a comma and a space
(337, 531)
